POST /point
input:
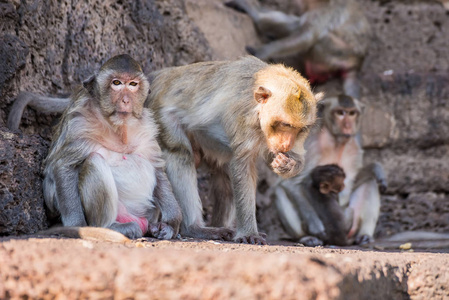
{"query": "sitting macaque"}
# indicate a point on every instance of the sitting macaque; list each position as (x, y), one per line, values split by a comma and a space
(336, 141)
(331, 37)
(105, 167)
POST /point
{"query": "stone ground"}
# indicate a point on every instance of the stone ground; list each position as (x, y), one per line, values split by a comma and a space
(147, 269)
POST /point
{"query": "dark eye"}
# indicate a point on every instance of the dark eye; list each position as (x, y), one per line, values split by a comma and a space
(133, 83)
(352, 113)
(285, 125)
(340, 112)
(116, 82)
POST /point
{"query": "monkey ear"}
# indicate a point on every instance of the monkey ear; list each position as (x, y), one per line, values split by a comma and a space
(324, 188)
(319, 96)
(89, 84)
(262, 94)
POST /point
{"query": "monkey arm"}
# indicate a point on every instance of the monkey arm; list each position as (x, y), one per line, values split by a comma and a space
(67, 195)
(294, 44)
(165, 200)
(37, 102)
(311, 221)
(371, 171)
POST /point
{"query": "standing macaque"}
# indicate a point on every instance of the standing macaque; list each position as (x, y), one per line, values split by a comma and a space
(105, 167)
(225, 114)
(317, 194)
(331, 36)
(336, 141)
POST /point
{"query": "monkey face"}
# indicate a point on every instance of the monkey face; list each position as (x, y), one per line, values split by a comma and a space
(345, 120)
(124, 96)
(285, 116)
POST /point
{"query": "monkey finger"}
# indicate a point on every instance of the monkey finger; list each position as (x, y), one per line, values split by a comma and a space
(364, 239)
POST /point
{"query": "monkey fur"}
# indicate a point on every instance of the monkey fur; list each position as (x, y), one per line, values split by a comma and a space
(105, 167)
(228, 113)
(335, 140)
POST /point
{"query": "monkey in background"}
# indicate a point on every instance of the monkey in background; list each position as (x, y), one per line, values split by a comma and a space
(224, 114)
(331, 36)
(105, 167)
(336, 141)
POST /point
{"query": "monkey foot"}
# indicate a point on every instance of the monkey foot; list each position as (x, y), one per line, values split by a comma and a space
(161, 231)
(252, 239)
(311, 241)
(130, 230)
(363, 239)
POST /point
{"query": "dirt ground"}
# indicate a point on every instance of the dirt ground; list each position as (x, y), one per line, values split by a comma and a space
(189, 269)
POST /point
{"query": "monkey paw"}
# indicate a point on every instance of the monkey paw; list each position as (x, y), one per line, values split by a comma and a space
(311, 241)
(251, 239)
(283, 165)
(161, 231)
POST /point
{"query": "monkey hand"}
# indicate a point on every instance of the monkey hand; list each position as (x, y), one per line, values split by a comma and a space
(284, 165)
(161, 231)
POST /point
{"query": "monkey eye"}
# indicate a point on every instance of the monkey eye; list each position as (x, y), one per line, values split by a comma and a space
(133, 83)
(286, 125)
(352, 113)
(116, 82)
(340, 112)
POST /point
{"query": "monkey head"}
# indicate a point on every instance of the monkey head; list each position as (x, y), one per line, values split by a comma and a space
(328, 179)
(287, 108)
(341, 115)
(121, 88)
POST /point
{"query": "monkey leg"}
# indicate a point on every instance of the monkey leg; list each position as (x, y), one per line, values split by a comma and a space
(181, 172)
(223, 199)
(365, 202)
(99, 197)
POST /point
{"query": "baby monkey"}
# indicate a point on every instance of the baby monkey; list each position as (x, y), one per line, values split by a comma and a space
(321, 191)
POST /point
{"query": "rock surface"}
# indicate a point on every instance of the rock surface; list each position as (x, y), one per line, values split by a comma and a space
(212, 270)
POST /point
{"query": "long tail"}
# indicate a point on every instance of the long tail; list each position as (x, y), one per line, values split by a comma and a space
(87, 233)
(37, 102)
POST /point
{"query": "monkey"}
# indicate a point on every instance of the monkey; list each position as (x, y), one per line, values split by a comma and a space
(319, 191)
(223, 114)
(331, 37)
(104, 167)
(230, 112)
(336, 140)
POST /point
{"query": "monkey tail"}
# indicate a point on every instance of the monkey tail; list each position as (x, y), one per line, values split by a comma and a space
(37, 102)
(87, 233)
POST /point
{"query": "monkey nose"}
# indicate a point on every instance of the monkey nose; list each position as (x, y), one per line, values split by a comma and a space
(125, 99)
